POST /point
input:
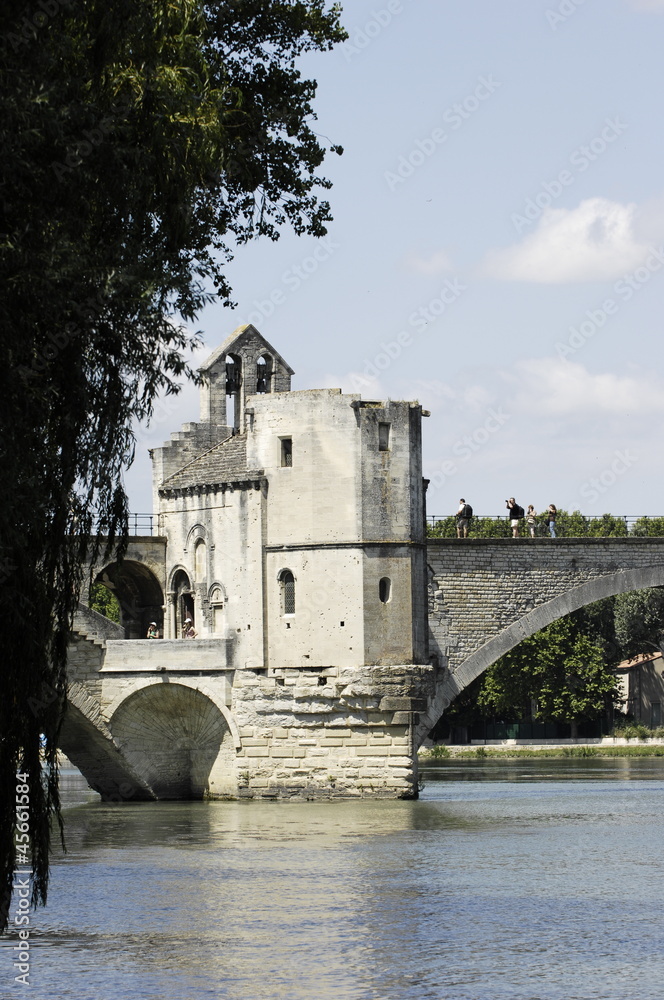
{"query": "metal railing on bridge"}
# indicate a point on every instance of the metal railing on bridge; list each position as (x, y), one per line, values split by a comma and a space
(143, 524)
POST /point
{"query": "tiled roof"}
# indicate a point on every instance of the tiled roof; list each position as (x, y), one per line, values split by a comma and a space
(225, 463)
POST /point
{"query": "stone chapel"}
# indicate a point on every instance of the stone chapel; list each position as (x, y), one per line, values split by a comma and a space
(294, 521)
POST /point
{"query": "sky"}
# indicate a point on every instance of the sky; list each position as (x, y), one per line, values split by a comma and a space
(497, 249)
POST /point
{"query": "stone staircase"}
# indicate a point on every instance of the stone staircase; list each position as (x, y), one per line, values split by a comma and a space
(94, 627)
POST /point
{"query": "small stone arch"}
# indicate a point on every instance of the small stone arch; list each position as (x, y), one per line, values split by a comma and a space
(140, 683)
(481, 659)
(234, 380)
(217, 600)
(196, 532)
(286, 580)
(173, 735)
(181, 595)
(264, 373)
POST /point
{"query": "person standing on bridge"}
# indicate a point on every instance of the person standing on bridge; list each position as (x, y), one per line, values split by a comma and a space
(153, 631)
(531, 519)
(551, 519)
(188, 630)
(515, 513)
(463, 516)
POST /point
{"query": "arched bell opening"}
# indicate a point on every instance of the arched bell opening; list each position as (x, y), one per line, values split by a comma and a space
(264, 373)
(234, 390)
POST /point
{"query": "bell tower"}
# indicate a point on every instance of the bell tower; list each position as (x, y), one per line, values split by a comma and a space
(244, 365)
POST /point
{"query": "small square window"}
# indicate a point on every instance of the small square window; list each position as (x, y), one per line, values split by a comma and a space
(286, 453)
(383, 437)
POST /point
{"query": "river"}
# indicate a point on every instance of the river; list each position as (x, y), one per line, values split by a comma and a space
(508, 880)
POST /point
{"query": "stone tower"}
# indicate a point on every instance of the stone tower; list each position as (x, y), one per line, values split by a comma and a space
(294, 519)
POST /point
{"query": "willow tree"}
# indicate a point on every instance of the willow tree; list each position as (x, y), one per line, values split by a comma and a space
(142, 141)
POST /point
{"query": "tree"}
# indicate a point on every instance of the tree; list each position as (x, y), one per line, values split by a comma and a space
(143, 140)
(650, 526)
(572, 680)
(639, 621)
(104, 602)
(559, 668)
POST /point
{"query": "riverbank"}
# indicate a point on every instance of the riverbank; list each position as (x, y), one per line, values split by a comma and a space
(606, 747)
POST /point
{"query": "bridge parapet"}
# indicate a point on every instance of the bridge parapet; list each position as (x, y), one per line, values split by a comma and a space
(180, 655)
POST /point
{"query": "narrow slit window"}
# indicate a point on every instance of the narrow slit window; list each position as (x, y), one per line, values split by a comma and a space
(385, 589)
(287, 585)
(286, 453)
(383, 437)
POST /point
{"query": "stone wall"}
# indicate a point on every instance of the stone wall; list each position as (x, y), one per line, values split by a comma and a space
(329, 732)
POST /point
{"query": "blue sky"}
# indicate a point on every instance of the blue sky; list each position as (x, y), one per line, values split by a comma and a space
(497, 250)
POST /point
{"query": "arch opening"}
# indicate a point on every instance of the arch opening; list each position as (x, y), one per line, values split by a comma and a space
(171, 735)
(264, 372)
(183, 600)
(453, 683)
(233, 386)
(138, 595)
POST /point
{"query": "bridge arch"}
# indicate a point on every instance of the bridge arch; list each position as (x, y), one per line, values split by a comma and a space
(176, 737)
(474, 664)
(138, 593)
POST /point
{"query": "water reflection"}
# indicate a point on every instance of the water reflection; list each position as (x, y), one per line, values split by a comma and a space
(533, 880)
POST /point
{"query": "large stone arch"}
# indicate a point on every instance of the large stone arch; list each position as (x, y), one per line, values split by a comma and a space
(177, 738)
(88, 743)
(454, 682)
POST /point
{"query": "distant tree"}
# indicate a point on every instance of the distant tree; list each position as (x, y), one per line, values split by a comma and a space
(607, 526)
(639, 621)
(141, 143)
(571, 525)
(561, 670)
(104, 602)
(490, 527)
(648, 526)
(443, 528)
(572, 679)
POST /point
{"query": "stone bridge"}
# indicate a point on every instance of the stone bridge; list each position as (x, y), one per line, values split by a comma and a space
(487, 594)
(179, 719)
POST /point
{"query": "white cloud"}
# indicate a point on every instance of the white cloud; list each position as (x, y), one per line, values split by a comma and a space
(437, 263)
(552, 387)
(593, 242)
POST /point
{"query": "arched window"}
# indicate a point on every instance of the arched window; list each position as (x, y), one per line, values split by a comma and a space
(233, 385)
(200, 560)
(184, 600)
(287, 589)
(216, 602)
(264, 373)
(385, 589)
